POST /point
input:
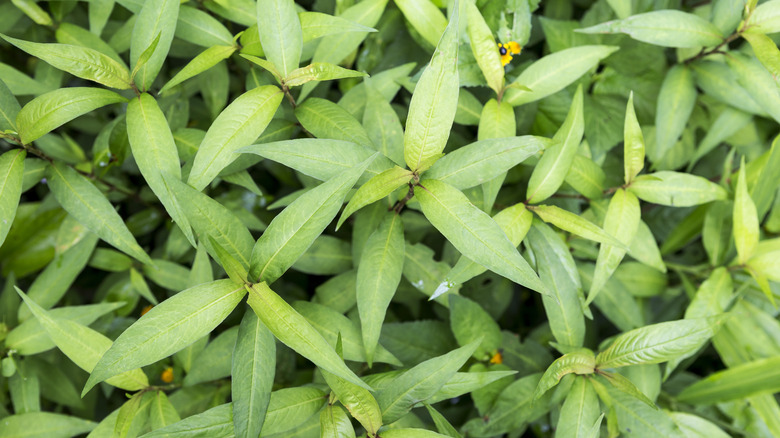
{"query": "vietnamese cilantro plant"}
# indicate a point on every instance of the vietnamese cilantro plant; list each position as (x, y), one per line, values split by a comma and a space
(409, 219)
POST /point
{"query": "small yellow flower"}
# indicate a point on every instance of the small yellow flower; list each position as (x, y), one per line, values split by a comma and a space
(167, 375)
(146, 309)
(497, 358)
(507, 50)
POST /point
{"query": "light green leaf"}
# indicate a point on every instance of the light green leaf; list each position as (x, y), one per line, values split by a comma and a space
(622, 220)
(765, 50)
(145, 56)
(157, 18)
(483, 160)
(693, 426)
(378, 276)
(292, 232)
(485, 49)
(33, 11)
(200, 28)
(293, 330)
(574, 224)
(290, 407)
(216, 422)
(442, 425)
(9, 108)
(233, 268)
(675, 105)
(433, 105)
(375, 189)
(633, 144)
(55, 108)
(719, 81)
(426, 18)
(167, 328)
(667, 28)
(280, 33)
(765, 18)
(746, 231)
(317, 25)
(657, 343)
(83, 346)
(325, 119)
(44, 425)
(471, 323)
(358, 401)
(421, 382)
(84, 62)
(473, 232)
(579, 412)
(89, 206)
(553, 72)
(155, 154)
(11, 176)
(204, 61)
(382, 124)
(215, 361)
(237, 126)
(335, 423)
(411, 433)
(676, 189)
(254, 366)
(582, 362)
(586, 177)
(161, 412)
(132, 415)
(752, 378)
(328, 255)
(756, 80)
(319, 71)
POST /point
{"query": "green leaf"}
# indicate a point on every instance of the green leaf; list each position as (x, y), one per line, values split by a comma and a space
(238, 125)
(83, 346)
(328, 255)
(426, 18)
(325, 119)
(254, 366)
(471, 323)
(358, 401)
(44, 425)
(485, 49)
(11, 175)
(155, 154)
(668, 28)
(421, 382)
(382, 124)
(752, 378)
(90, 207)
(622, 220)
(9, 108)
(335, 423)
(554, 72)
(586, 177)
(215, 361)
(676, 189)
(549, 173)
(411, 433)
(442, 425)
(167, 328)
(319, 71)
(292, 232)
(765, 50)
(291, 407)
(746, 231)
(433, 105)
(317, 25)
(132, 415)
(145, 56)
(581, 362)
(293, 330)
(483, 160)
(204, 61)
(574, 224)
(675, 105)
(216, 422)
(696, 427)
(200, 28)
(579, 412)
(657, 343)
(375, 189)
(633, 143)
(473, 232)
(156, 18)
(55, 108)
(378, 276)
(765, 18)
(161, 412)
(84, 62)
(755, 79)
(280, 34)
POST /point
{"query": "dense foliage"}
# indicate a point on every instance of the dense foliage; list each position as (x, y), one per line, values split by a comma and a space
(414, 218)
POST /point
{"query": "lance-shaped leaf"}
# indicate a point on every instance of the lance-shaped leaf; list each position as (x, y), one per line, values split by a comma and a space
(358, 401)
(235, 127)
(215, 422)
(170, 326)
(629, 413)
(83, 62)
(133, 414)
(633, 143)
(622, 220)
(697, 427)
(470, 323)
(291, 233)
(145, 56)
(254, 367)
(89, 206)
(319, 71)
(549, 173)
(473, 232)
(657, 343)
(765, 18)
(325, 119)
(745, 219)
(293, 330)
(574, 224)
(514, 222)
(375, 189)
(426, 18)
(676, 189)
(378, 275)
(484, 47)
(321, 158)
(9, 108)
(280, 33)
(157, 18)
(766, 51)
(317, 25)
(421, 382)
(55, 108)
(442, 424)
(554, 72)
(290, 407)
(483, 160)
(668, 28)
(161, 412)
(44, 424)
(204, 61)
(11, 176)
(746, 380)
(675, 105)
(582, 361)
(434, 102)
(83, 346)
(754, 78)
(198, 27)
(382, 123)
(155, 154)
(579, 412)
(335, 423)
